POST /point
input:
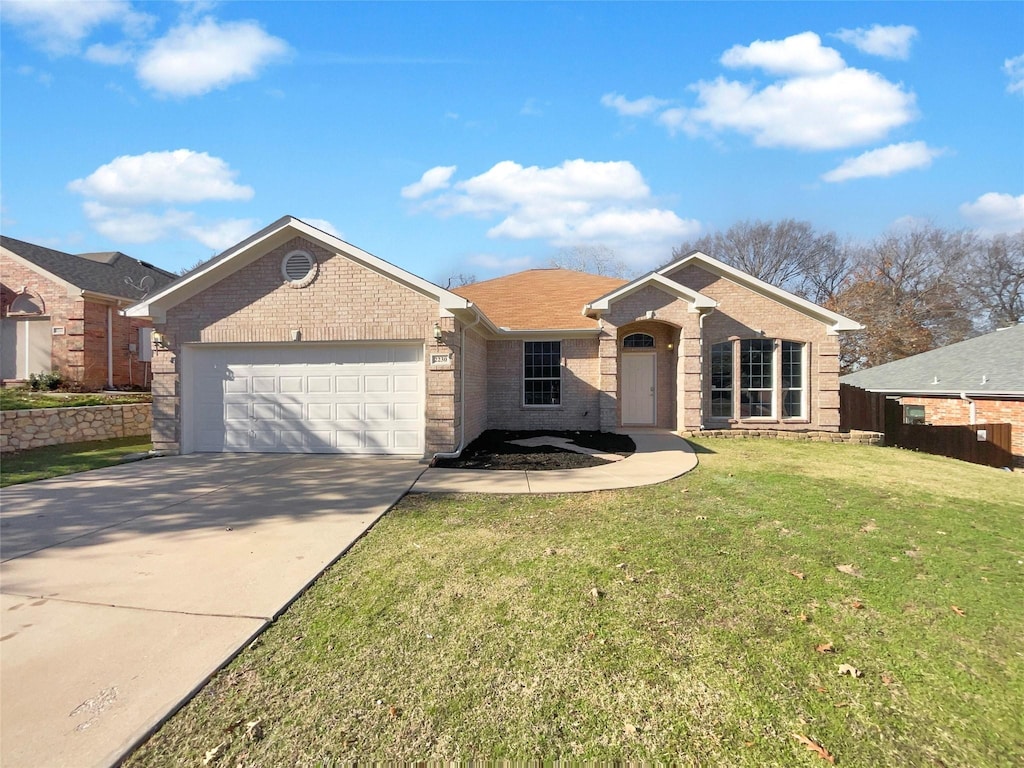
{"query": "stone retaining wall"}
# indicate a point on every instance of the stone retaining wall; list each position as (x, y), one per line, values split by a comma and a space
(36, 427)
(856, 437)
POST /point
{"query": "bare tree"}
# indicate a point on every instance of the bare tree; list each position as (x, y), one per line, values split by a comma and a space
(905, 287)
(595, 259)
(456, 281)
(789, 254)
(995, 279)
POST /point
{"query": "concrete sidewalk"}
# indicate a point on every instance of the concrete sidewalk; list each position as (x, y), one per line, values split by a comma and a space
(124, 589)
(659, 456)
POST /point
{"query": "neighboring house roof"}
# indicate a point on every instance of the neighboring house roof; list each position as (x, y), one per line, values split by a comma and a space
(992, 364)
(833, 320)
(110, 274)
(268, 238)
(539, 299)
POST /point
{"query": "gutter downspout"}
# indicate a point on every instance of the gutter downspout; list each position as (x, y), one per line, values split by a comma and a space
(110, 347)
(974, 410)
(462, 406)
(700, 346)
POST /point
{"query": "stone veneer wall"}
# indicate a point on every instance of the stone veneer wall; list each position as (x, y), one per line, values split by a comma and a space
(36, 427)
(856, 437)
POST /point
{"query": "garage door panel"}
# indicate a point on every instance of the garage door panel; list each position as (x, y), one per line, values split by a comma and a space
(307, 398)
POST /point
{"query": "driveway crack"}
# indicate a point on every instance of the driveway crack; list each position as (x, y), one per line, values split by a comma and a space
(140, 608)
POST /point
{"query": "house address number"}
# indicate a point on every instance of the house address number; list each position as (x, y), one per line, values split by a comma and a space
(441, 360)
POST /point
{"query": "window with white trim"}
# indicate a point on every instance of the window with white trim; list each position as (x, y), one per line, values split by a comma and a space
(721, 380)
(542, 373)
(638, 341)
(793, 380)
(756, 388)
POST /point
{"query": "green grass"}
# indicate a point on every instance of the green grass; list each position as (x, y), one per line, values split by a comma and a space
(56, 460)
(467, 627)
(16, 399)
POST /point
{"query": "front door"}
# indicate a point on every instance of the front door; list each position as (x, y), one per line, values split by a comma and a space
(638, 370)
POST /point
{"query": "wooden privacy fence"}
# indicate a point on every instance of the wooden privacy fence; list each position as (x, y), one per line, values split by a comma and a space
(876, 412)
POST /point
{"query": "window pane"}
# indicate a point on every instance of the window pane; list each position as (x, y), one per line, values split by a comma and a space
(792, 380)
(638, 340)
(792, 404)
(542, 372)
(756, 388)
(721, 380)
(755, 403)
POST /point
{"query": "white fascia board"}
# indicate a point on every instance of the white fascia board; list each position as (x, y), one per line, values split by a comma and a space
(836, 322)
(259, 244)
(553, 334)
(697, 301)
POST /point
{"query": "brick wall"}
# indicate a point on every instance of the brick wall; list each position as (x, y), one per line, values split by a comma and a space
(80, 353)
(580, 406)
(346, 302)
(476, 385)
(36, 427)
(744, 313)
(950, 411)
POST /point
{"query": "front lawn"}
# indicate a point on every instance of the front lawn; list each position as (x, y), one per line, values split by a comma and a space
(16, 399)
(56, 460)
(704, 621)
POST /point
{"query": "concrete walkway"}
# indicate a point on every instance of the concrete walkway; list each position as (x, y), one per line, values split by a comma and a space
(659, 456)
(124, 589)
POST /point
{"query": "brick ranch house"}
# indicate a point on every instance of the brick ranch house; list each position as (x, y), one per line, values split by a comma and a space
(978, 381)
(62, 312)
(294, 340)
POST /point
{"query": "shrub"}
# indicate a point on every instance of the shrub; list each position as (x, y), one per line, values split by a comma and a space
(45, 381)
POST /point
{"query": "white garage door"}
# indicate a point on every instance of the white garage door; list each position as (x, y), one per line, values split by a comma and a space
(307, 398)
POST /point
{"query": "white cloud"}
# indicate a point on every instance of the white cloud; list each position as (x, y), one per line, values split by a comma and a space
(59, 27)
(801, 54)
(223, 234)
(577, 202)
(995, 213)
(1014, 69)
(181, 176)
(878, 40)
(886, 161)
(193, 59)
(645, 105)
(839, 109)
(324, 226)
(431, 181)
(122, 53)
(127, 225)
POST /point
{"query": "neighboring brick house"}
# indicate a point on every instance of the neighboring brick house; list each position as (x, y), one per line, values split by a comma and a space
(62, 312)
(978, 381)
(294, 340)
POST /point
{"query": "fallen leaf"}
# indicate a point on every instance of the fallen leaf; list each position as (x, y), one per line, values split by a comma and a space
(848, 669)
(841, 704)
(958, 611)
(887, 680)
(849, 570)
(821, 689)
(804, 617)
(857, 605)
(825, 648)
(393, 711)
(798, 574)
(868, 527)
(630, 729)
(216, 753)
(621, 565)
(815, 747)
(595, 594)
(702, 517)
(254, 730)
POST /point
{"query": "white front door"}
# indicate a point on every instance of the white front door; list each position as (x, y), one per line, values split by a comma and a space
(638, 369)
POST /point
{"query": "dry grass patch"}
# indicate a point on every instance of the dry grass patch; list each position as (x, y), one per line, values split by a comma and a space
(662, 623)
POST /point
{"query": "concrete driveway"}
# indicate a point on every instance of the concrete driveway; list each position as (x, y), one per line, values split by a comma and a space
(124, 589)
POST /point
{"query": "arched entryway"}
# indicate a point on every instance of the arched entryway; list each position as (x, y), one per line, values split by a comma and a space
(647, 360)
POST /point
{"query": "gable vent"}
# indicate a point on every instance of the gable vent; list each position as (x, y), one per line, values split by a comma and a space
(299, 268)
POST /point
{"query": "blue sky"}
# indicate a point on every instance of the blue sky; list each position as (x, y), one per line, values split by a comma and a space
(484, 137)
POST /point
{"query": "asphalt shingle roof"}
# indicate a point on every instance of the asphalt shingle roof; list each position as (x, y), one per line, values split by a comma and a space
(539, 299)
(993, 363)
(113, 273)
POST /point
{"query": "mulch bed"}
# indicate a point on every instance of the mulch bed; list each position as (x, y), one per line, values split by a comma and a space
(493, 451)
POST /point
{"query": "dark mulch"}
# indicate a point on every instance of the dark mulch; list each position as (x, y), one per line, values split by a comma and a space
(493, 451)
